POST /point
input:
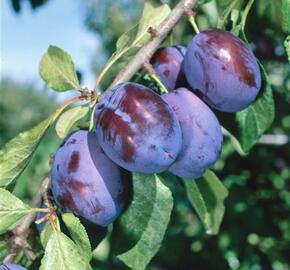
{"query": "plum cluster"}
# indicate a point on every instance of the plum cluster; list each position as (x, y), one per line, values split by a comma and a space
(217, 66)
(138, 130)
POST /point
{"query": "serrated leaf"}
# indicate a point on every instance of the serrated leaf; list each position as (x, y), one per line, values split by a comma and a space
(16, 154)
(207, 195)
(57, 69)
(287, 46)
(61, 253)
(12, 210)
(286, 15)
(78, 235)
(68, 118)
(146, 220)
(135, 38)
(258, 117)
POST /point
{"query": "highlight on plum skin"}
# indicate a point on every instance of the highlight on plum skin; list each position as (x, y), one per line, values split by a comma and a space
(167, 63)
(223, 70)
(137, 129)
(201, 131)
(10, 266)
(86, 182)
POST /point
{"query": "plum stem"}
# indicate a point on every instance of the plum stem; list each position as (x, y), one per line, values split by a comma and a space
(42, 210)
(193, 23)
(152, 74)
(160, 84)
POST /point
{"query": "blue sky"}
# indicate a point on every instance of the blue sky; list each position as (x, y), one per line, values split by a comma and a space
(26, 36)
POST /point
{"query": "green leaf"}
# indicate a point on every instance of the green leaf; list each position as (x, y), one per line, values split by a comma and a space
(201, 2)
(16, 154)
(4, 247)
(258, 117)
(57, 69)
(78, 234)
(46, 234)
(68, 118)
(234, 141)
(287, 46)
(145, 221)
(135, 38)
(62, 253)
(12, 210)
(286, 15)
(207, 195)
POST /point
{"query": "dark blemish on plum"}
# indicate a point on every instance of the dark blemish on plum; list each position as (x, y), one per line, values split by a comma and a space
(152, 147)
(102, 151)
(216, 56)
(57, 167)
(96, 207)
(101, 106)
(161, 56)
(166, 72)
(67, 201)
(113, 125)
(201, 127)
(139, 101)
(73, 164)
(72, 141)
(78, 186)
(122, 197)
(223, 68)
(206, 85)
(168, 154)
(239, 53)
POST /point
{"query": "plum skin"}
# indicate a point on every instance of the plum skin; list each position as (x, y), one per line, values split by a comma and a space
(223, 69)
(137, 129)
(201, 131)
(167, 62)
(10, 266)
(86, 182)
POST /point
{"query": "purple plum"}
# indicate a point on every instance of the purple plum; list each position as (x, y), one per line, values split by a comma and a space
(167, 64)
(86, 182)
(201, 131)
(223, 70)
(137, 129)
(9, 266)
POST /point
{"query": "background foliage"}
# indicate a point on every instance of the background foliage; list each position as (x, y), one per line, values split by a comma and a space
(255, 232)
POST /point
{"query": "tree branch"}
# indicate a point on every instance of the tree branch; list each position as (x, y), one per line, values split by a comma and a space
(18, 241)
(147, 51)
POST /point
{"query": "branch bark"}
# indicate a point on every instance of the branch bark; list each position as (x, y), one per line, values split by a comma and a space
(147, 51)
(18, 241)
